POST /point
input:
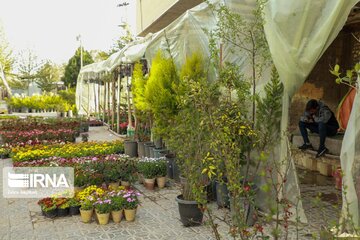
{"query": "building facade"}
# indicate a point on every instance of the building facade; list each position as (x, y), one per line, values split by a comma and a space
(154, 15)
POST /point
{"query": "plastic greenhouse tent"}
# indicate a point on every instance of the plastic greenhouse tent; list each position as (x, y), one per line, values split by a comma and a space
(298, 33)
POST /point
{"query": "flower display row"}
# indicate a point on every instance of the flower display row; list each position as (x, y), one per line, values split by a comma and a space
(105, 202)
(28, 124)
(34, 136)
(68, 150)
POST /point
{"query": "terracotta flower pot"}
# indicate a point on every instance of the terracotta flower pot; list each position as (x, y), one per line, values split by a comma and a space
(149, 183)
(117, 216)
(130, 214)
(103, 218)
(161, 181)
(86, 215)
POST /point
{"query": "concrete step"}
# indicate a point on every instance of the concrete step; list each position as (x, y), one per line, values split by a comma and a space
(332, 143)
(325, 165)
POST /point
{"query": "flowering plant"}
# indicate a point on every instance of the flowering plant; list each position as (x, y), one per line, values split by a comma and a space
(87, 203)
(90, 191)
(152, 167)
(131, 199)
(61, 203)
(103, 205)
(161, 167)
(47, 204)
(148, 167)
(117, 200)
(68, 150)
(73, 202)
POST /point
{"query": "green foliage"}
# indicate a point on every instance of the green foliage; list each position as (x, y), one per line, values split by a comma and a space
(269, 113)
(68, 95)
(148, 168)
(160, 92)
(351, 75)
(138, 88)
(72, 69)
(189, 134)
(47, 77)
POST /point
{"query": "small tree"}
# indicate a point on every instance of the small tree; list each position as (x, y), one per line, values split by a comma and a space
(72, 69)
(47, 77)
(160, 93)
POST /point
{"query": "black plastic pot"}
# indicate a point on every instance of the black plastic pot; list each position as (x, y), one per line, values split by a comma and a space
(62, 212)
(169, 162)
(74, 210)
(158, 143)
(50, 214)
(160, 152)
(141, 149)
(190, 214)
(222, 195)
(147, 148)
(131, 148)
(151, 151)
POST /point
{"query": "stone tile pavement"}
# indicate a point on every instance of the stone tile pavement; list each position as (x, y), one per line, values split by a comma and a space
(157, 218)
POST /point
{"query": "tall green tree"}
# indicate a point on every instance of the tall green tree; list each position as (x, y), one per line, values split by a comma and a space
(48, 76)
(72, 69)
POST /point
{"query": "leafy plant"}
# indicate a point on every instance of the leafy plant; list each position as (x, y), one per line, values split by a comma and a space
(190, 130)
(351, 75)
(117, 202)
(160, 95)
(148, 168)
(73, 202)
(161, 168)
(103, 205)
(131, 199)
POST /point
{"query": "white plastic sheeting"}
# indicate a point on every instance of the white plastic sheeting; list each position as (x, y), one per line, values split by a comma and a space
(87, 96)
(350, 163)
(298, 33)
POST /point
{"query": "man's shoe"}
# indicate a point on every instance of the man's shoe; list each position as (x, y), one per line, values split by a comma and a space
(306, 146)
(322, 152)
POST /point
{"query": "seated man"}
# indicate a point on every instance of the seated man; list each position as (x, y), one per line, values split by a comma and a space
(320, 119)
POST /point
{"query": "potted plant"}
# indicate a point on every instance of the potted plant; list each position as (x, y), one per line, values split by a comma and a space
(48, 207)
(74, 206)
(103, 209)
(87, 209)
(130, 146)
(130, 204)
(142, 136)
(117, 205)
(62, 207)
(126, 168)
(80, 179)
(148, 168)
(161, 173)
(111, 175)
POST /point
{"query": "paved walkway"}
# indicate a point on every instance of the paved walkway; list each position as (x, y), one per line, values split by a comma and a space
(157, 218)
